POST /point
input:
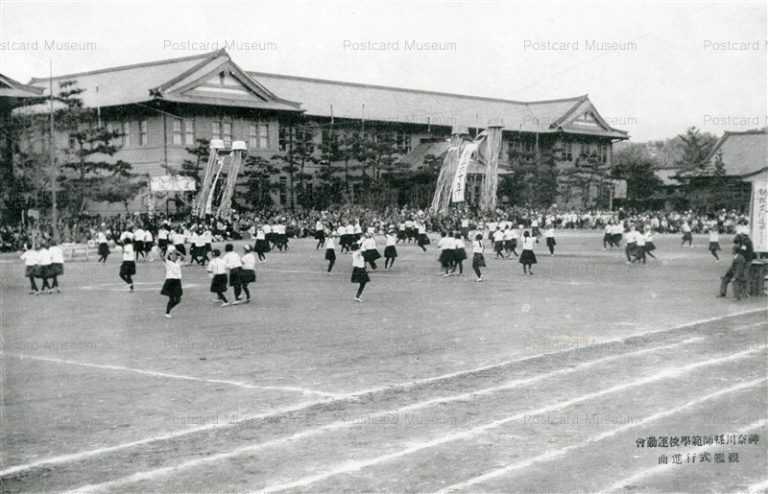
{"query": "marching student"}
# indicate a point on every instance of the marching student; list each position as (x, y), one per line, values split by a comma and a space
(57, 266)
(101, 239)
(30, 268)
(128, 266)
(261, 246)
(714, 242)
(370, 253)
(498, 242)
(649, 245)
(478, 259)
(234, 266)
(172, 284)
(218, 272)
(527, 256)
(248, 272)
(359, 274)
(687, 235)
(44, 262)
(447, 247)
(390, 251)
(330, 251)
(459, 253)
(549, 235)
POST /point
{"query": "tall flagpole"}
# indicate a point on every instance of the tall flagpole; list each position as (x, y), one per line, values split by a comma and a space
(52, 160)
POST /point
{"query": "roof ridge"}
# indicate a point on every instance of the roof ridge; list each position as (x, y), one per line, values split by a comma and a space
(253, 73)
(131, 66)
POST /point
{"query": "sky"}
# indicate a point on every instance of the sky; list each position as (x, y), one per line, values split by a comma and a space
(653, 68)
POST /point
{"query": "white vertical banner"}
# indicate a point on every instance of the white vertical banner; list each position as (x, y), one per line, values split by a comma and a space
(758, 214)
(460, 179)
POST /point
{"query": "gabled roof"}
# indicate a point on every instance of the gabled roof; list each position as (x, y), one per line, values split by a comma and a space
(328, 98)
(10, 88)
(171, 80)
(743, 153)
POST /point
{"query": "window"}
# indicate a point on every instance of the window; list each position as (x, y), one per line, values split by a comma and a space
(602, 152)
(528, 146)
(189, 132)
(215, 130)
(227, 131)
(253, 140)
(263, 136)
(126, 134)
(403, 142)
(284, 138)
(567, 151)
(177, 131)
(143, 137)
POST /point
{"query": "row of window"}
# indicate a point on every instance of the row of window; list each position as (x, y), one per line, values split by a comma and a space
(183, 133)
(566, 149)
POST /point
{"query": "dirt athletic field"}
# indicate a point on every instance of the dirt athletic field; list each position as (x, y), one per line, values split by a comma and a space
(585, 377)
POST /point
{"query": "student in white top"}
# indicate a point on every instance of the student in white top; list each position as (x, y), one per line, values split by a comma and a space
(178, 240)
(359, 274)
(234, 266)
(459, 253)
(330, 252)
(149, 244)
(648, 238)
(498, 242)
(218, 272)
(128, 266)
(447, 246)
(162, 239)
(478, 258)
(714, 242)
(172, 284)
(319, 234)
(549, 235)
(101, 239)
(138, 242)
(30, 268)
(44, 264)
(390, 251)
(527, 256)
(248, 271)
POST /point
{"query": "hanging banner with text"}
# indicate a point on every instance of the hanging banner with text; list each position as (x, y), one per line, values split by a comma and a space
(460, 179)
(758, 214)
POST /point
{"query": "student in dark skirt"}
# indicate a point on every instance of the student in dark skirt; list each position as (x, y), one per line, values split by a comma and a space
(459, 254)
(649, 245)
(262, 245)
(128, 266)
(370, 253)
(478, 259)
(359, 274)
(101, 239)
(423, 238)
(234, 267)
(714, 243)
(319, 234)
(30, 268)
(57, 266)
(447, 247)
(218, 272)
(330, 251)
(527, 257)
(549, 235)
(248, 272)
(172, 284)
(390, 251)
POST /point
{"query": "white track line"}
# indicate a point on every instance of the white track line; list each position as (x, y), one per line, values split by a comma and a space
(662, 468)
(167, 375)
(354, 466)
(150, 474)
(354, 395)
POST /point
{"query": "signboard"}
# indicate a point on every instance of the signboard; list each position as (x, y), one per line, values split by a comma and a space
(619, 189)
(758, 213)
(172, 183)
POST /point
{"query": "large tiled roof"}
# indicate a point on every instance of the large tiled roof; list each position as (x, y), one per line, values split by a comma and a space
(743, 153)
(10, 88)
(322, 97)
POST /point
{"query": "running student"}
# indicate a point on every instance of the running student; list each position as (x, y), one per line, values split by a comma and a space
(218, 272)
(649, 245)
(261, 246)
(172, 284)
(101, 239)
(57, 266)
(234, 267)
(549, 235)
(44, 265)
(446, 246)
(248, 272)
(370, 253)
(498, 243)
(390, 251)
(30, 268)
(478, 259)
(359, 274)
(527, 257)
(687, 235)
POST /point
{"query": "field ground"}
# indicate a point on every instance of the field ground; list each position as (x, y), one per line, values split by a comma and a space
(520, 384)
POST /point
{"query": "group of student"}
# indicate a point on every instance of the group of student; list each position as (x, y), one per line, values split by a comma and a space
(45, 262)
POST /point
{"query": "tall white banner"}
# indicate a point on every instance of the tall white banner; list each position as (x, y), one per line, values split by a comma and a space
(460, 179)
(758, 215)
